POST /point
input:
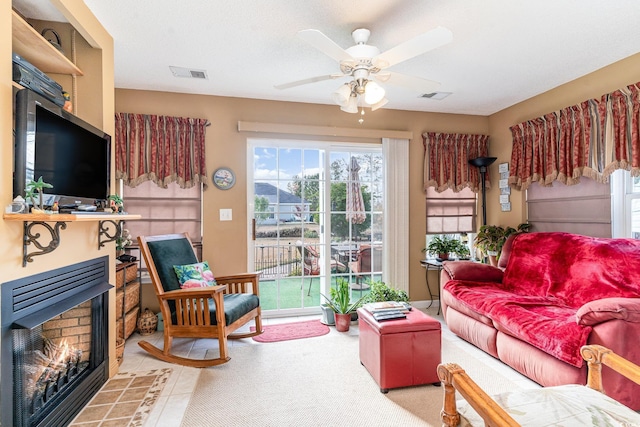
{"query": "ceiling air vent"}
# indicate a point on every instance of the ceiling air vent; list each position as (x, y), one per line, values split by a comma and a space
(188, 72)
(436, 95)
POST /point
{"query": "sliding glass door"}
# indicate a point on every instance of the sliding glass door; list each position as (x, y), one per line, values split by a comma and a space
(315, 214)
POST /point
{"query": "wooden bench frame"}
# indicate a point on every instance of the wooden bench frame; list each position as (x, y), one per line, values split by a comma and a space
(453, 377)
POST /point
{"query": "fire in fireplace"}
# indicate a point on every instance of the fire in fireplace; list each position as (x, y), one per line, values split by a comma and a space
(54, 343)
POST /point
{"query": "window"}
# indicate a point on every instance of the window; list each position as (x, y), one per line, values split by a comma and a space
(451, 214)
(164, 211)
(625, 201)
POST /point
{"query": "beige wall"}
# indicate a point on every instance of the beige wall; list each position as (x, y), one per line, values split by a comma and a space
(225, 244)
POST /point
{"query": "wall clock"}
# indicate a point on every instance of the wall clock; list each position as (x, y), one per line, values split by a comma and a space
(224, 178)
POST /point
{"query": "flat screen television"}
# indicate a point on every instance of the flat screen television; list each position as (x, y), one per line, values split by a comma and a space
(65, 151)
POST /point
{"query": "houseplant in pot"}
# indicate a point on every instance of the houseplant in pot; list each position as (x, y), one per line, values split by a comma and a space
(340, 303)
(491, 238)
(379, 292)
(462, 251)
(441, 246)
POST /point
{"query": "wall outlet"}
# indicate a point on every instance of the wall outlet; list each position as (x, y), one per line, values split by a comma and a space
(226, 214)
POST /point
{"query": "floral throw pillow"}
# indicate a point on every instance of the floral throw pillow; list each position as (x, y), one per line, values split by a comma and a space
(196, 275)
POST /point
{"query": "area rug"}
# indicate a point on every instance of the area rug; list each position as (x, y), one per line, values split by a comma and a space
(291, 331)
(125, 400)
(319, 382)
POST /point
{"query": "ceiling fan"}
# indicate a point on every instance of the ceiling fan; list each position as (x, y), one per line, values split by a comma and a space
(364, 64)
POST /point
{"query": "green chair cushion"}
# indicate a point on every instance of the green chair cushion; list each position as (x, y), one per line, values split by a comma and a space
(166, 254)
(235, 306)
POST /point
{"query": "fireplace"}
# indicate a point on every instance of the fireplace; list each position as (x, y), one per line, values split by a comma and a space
(54, 345)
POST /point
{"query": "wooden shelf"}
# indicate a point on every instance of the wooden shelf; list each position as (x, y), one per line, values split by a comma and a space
(69, 217)
(29, 44)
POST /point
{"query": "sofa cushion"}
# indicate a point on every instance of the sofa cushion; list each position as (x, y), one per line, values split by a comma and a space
(472, 271)
(506, 252)
(544, 322)
(573, 268)
(601, 310)
(457, 304)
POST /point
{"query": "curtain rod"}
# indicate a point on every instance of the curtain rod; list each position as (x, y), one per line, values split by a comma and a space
(322, 130)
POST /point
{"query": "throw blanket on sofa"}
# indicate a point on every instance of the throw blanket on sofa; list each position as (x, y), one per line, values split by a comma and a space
(548, 278)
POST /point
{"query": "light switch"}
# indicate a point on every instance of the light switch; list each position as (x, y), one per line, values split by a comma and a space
(226, 214)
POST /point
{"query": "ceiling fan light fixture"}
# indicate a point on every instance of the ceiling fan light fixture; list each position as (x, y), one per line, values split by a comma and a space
(342, 95)
(351, 106)
(373, 93)
(379, 104)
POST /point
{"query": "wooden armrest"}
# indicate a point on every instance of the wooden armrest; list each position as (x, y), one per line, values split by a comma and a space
(455, 378)
(597, 355)
(238, 283)
(204, 292)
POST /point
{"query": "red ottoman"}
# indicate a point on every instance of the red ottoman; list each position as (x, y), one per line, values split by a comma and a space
(400, 353)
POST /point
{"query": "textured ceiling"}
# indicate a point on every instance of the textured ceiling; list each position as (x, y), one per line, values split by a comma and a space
(503, 51)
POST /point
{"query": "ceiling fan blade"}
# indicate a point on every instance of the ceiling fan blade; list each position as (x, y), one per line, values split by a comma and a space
(414, 47)
(413, 83)
(324, 44)
(309, 80)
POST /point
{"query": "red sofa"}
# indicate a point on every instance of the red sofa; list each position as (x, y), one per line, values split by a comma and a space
(554, 293)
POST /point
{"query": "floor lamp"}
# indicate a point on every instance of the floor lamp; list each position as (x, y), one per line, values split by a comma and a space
(483, 163)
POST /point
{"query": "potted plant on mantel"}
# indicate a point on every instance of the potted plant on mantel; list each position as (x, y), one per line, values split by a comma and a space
(34, 192)
(340, 303)
(491, 238)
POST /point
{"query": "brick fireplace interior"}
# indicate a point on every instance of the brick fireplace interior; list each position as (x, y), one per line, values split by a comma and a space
(54, 343)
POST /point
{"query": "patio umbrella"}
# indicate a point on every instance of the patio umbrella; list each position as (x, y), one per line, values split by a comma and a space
(355, 203)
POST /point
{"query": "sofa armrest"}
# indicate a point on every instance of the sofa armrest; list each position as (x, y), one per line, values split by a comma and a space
(471, 271)
(602, 310)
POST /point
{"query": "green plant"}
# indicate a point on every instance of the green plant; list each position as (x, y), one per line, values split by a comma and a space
(116, 203)
(34, 190)
(491, 238)
(123, 240)
(442, 245)
(340, 301)
(379, 292)
(462, 251)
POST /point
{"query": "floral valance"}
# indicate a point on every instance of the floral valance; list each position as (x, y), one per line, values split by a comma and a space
(446, 160)
(590, 139)
(161, 149)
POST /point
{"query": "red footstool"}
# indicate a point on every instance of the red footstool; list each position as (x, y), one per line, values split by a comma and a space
(400, 353)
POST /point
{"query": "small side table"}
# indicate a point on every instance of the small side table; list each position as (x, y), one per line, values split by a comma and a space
(432, 264)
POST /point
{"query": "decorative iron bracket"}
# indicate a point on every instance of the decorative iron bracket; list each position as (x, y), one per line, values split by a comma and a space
(30, 237)
(104, 228)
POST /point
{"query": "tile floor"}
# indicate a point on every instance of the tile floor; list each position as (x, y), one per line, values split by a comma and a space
(124, 400)
(168, 410)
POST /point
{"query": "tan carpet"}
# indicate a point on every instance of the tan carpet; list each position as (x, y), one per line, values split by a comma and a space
(317, 382)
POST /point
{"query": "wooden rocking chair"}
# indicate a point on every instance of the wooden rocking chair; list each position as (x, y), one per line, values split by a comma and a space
(206, 312)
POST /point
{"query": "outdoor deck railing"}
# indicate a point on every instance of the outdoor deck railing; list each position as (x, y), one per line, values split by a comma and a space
(277, 260)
